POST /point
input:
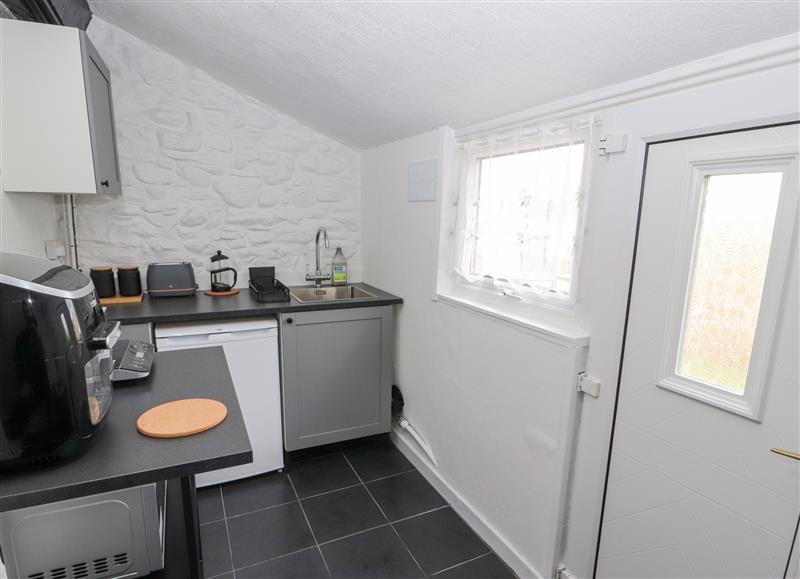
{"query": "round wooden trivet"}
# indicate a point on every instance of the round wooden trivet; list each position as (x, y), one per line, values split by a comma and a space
(230, 292)
(181, 418)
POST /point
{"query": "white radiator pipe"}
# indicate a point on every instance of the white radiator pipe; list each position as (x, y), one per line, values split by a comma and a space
(405, 425)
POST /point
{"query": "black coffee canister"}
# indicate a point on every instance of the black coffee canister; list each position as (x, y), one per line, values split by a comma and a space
(130, 281)
(103, 280)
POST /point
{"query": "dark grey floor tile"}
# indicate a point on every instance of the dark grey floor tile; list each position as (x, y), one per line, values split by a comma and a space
(378, 460)
(262, 535)
(290, 457)
(405, 495)
(365, 441)
(306, 564)
(440, 539)
(257, 493)
(341, 513)
(223, 576)
(487, 567)
(321, 475)
(376, 553)
(216, 551)
(209, 505)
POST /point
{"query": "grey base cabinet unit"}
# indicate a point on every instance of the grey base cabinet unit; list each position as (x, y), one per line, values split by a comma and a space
(337, 368)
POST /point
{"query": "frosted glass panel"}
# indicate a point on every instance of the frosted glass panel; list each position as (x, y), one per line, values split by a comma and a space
(737, 216)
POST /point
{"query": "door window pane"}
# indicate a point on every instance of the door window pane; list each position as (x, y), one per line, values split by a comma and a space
(737, 216)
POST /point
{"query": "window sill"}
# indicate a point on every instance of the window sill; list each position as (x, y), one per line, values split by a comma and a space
(563, 333)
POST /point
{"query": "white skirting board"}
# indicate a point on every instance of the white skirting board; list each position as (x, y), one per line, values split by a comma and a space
(466, 511)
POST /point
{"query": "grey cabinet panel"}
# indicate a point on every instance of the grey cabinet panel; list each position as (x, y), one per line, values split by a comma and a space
(338, 376)
(97, 79)
(336, 367)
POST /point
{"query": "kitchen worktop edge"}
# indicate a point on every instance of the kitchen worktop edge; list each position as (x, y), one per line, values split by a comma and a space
(201, 307)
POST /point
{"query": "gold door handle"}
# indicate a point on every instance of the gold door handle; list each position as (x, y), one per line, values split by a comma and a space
(788, 453)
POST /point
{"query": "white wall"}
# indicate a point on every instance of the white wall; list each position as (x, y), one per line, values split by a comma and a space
(204, 167)
(476, 388)
(487, 395)
(27, 220)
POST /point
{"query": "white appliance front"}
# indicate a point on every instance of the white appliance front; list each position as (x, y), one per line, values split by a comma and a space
(251, 350)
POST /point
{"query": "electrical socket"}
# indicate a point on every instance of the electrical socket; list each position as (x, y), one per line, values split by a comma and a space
(55, 248)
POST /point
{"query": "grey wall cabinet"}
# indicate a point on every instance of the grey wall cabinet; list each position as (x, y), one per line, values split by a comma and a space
(97, 79)
(337, 368)
(55, 102)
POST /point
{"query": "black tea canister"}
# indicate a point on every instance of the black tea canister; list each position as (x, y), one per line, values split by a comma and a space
(130, 281)
(103, 280)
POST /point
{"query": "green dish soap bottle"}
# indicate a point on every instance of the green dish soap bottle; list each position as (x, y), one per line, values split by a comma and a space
(339, 266)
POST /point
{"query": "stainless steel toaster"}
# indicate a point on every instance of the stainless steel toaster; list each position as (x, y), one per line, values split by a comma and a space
(171, 279)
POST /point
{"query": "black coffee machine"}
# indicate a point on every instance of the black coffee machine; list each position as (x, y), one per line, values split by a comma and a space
(55, 361)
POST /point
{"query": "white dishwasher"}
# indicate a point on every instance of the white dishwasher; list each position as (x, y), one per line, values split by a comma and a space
(251, 349)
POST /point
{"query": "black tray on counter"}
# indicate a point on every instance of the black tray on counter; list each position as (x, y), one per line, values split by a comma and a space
(265, 288)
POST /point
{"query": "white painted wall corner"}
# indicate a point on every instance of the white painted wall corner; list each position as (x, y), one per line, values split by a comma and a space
(464, 508)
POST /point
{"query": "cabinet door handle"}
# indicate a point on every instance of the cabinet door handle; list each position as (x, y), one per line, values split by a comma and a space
(104, 183)
(289, 320)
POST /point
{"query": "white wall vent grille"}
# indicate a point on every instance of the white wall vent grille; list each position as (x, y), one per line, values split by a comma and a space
(422, 180)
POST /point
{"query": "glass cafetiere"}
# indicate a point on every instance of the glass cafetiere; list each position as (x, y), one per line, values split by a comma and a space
(221, 273)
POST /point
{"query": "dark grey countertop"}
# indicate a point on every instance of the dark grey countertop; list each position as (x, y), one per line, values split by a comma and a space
(244, 305)
(120, 457)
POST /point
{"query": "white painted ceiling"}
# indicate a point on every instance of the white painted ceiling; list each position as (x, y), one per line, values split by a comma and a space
(367, 73)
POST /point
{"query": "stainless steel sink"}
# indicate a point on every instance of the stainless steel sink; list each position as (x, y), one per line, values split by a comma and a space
(328, 294)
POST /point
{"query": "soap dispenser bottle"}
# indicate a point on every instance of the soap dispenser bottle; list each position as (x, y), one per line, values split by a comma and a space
(339, 267)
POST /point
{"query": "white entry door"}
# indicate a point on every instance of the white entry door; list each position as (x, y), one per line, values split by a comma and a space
(709, 379)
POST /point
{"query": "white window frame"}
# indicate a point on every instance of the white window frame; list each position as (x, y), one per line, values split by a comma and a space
(748, 404)
(556, 317)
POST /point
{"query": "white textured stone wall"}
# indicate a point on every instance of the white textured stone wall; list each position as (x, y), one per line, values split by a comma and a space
(204, 167)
